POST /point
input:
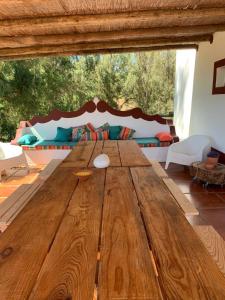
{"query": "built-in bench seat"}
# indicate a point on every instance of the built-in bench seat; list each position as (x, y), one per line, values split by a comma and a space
(96, 112)
(54, 145)
(50, 145)
(151, 142)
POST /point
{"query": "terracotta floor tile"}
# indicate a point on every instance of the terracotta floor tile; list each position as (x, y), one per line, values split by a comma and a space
(6, 191)
(221, 195)
(206, 200)
(221, 231)
(215, 217)
(188, 186)
(215, 189)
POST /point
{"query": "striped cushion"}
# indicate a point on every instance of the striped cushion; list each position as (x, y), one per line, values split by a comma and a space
(50, 145)
(151, 142)
(103, 127)
(89, 127)
(77, 133)
(95, 136)
(126, 133)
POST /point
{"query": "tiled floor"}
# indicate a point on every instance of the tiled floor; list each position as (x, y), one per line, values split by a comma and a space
(210, 202)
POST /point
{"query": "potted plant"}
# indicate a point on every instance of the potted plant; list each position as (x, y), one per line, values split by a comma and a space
(212, 160)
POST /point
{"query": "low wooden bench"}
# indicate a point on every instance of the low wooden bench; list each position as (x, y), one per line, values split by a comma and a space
(12, 206)
(158, 169)
(49, 169)
(214, 243)
(17, 201)
(183, 202)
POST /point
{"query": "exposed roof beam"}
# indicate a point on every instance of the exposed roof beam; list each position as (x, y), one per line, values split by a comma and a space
(103, 22)
(170, 32)
(103, 45)
(102, 51)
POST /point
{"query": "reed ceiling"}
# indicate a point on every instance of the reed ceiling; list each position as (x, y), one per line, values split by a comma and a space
(64, 27)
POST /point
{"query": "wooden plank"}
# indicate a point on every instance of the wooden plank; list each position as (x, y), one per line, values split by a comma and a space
(185, 268)
(104, 51)
(50, 168)
(214, 244)
(8, 52)
(21, 200)
(131, 154)
(187, 207)
(26, 242)
(111, 149)
(70, 267)
(80, 156)
(96, 152)
(11, 200)
(114, 21)
(158, 169)
(63, 39)
(126, 269)
(110, 144)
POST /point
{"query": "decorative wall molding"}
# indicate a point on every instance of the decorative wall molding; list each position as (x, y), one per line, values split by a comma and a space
(102, 107)
(56, 114)
(136, 113)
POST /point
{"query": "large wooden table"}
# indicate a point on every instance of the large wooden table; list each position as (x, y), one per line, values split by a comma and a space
(118, 235)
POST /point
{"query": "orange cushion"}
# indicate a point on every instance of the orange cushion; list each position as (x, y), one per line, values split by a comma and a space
(164, 136)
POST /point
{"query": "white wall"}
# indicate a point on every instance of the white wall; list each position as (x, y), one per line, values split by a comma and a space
(185, 64)
(208, 111)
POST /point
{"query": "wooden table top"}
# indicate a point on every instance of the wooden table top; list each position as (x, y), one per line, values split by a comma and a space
(118, 235)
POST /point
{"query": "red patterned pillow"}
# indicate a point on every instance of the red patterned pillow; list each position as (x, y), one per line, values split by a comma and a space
(89, 127)
(126, 133)
(164, 136)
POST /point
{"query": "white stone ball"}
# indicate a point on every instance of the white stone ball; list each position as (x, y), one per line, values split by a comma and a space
(101, 161)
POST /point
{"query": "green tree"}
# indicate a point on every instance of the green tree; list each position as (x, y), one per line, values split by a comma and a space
(37, 86)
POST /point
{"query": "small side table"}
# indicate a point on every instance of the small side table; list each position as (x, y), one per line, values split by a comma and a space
(214, 176)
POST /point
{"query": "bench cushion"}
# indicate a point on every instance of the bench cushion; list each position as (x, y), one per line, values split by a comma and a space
(148, 142)
(55, 145)
(50, 145)
(151, 142)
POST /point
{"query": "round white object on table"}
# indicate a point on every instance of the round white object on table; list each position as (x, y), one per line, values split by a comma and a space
(101, 161)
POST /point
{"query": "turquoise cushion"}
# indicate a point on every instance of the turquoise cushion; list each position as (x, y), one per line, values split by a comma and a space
(27, 139)
(63, 134)
(148, 141)
(114, 132)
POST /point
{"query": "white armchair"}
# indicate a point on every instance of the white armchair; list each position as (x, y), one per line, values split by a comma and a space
(188, 151)
(11, 156)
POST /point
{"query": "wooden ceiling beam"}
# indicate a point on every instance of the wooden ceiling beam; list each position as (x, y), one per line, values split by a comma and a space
(104, 45)
(102, 51)
(170, 32)
(109, 22)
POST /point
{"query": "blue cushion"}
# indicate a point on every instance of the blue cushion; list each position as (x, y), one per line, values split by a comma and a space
(27, 139)
(114, 132)
(63, 134)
